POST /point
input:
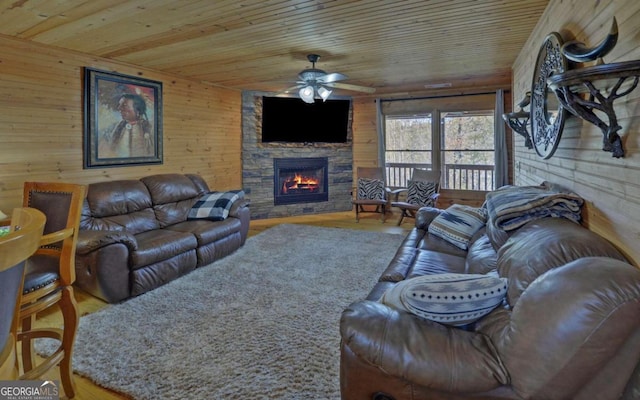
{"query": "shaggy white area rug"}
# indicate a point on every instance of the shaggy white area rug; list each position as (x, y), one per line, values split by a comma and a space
(262, 323)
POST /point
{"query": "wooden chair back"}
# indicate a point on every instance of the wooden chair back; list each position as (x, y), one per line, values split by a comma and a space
(370, 173)
(62, 205)
(426, 175)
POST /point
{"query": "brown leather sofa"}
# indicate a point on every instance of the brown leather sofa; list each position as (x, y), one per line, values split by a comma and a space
(569, 328)
(135, 235)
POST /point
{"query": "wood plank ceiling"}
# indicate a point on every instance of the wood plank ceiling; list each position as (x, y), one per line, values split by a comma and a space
(393, 46)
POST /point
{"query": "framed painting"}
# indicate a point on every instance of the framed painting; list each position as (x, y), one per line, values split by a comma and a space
(123, 120)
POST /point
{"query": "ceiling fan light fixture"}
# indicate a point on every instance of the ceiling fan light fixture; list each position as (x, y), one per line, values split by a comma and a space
(314, 82)
(324, 93)
(307, 94)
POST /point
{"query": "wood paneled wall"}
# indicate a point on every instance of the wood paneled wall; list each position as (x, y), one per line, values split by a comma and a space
(610, 186)
(41, 123)
(365, 135)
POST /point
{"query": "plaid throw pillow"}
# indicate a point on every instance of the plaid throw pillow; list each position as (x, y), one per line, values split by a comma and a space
(420, 193)
(370, 189)
(214, 206)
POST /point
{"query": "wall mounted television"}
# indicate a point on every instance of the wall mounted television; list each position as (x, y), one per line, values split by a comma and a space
(289, 119)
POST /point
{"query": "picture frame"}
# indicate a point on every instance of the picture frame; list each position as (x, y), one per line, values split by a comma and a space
(122, 120)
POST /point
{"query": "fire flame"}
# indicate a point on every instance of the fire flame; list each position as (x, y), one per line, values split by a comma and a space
(300, 182)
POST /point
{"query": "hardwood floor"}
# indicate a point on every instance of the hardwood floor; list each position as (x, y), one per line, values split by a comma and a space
(87, 390)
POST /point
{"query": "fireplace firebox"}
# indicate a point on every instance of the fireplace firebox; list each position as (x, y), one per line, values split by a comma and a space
(300, 180)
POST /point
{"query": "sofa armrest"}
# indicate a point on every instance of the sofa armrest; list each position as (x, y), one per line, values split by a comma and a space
(92, 240)
(568, 326)
(425, 215)
(240, 210)
(237, 207)
(420, 351)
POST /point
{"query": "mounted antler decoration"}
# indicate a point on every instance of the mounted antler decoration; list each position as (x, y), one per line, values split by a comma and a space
(616, 80)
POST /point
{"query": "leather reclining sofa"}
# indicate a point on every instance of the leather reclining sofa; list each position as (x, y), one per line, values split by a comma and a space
(569, 327)
(135, 236)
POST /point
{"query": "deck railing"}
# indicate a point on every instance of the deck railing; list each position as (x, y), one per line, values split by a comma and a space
(456, 176)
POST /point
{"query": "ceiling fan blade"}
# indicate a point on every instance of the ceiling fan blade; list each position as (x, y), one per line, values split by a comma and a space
(288, 90)
(332, 77)
(355, 88)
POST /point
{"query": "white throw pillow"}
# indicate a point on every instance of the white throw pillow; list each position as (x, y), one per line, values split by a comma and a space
(450, 299)
(458, 223)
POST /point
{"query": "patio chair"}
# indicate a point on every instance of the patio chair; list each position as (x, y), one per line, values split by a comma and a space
(422, 191)
(370, 192)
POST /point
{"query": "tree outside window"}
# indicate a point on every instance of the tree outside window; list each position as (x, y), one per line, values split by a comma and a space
(408, 145)
(468, 147)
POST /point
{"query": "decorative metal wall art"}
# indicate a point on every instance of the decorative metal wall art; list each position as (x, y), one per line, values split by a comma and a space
(614, 81)
(547, 114)
(519, 120)
(577, 51)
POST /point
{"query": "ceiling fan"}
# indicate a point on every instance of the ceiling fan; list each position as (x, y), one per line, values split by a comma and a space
(314, 81)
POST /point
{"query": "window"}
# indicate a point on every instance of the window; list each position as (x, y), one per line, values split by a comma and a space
(468, 145)
(461, 145)
(408, 145)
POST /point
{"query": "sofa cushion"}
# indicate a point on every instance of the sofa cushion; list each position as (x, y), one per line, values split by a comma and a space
(106, 199)
(199, 183)
(436, 243)
(118, 206)
(457, 224)
(208, 231)
(170, 188)
(543, 245)
(214, 206)
(159, 245)
(370, 189)
(450, 299)
(481, 257)
(172, 196)
(429, 262)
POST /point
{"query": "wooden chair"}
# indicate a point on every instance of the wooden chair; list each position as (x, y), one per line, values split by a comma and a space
(22, 240)
(422, 191)
(370, 191)
(49, 274)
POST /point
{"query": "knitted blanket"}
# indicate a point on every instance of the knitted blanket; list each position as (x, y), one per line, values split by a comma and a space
(510, 207)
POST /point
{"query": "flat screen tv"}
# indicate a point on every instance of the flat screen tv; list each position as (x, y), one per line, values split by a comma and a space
(288, 119)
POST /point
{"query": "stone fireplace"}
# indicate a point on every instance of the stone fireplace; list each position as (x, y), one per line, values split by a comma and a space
(262, 182)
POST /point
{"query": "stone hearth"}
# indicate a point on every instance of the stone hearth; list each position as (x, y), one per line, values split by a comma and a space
(258, 168)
